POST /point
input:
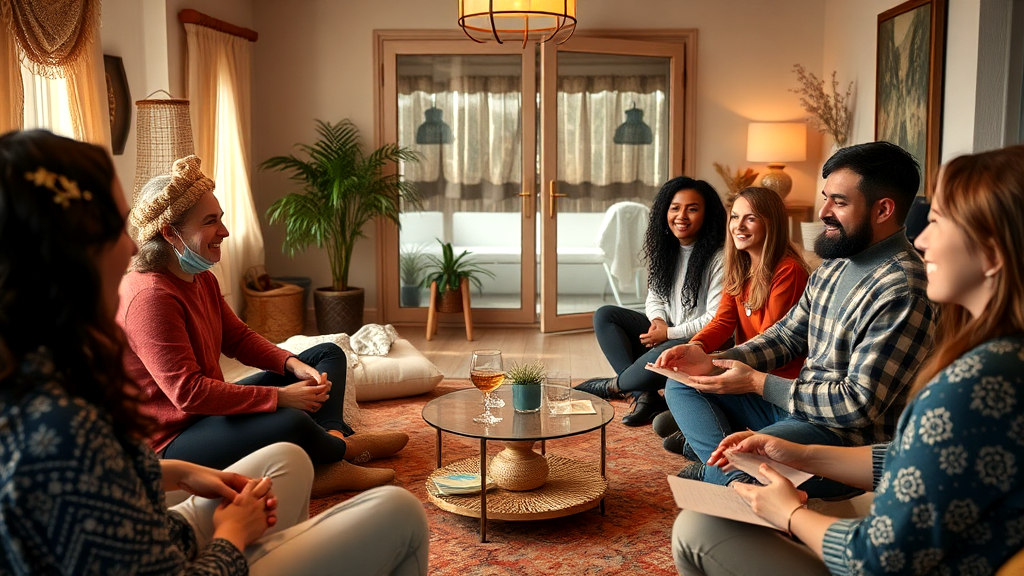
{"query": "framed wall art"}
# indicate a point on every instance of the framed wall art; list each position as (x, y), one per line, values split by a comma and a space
(909, 71)
(119, 101)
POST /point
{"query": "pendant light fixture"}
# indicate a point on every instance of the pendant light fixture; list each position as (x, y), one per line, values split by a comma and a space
(434, 130)
(634, 130)
(482, 20)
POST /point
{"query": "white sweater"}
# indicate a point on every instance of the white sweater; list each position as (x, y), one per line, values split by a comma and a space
(684, 325)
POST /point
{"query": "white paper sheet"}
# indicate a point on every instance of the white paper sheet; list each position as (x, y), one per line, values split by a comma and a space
(669, 373)
(713, 500)
(581, 407)
(750, 463)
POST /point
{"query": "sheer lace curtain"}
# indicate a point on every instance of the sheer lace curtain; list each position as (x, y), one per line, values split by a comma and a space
(482, 168)
(219, 80)
(57, 40)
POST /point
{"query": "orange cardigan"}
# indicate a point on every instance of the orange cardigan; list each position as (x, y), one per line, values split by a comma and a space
(788, 284)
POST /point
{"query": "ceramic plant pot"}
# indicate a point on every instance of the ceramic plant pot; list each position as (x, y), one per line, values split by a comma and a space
(526, 398)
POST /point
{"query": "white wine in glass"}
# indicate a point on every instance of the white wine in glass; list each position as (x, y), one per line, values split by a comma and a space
(487, 373)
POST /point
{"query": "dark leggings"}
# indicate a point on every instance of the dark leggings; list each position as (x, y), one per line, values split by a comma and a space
(219, 441)
(618, 332)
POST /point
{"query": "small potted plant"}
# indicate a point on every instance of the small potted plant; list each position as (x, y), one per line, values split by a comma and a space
(412, 262)
(448, 271)
(526, 382)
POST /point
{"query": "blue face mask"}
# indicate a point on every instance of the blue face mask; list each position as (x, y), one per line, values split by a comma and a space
(190, 261)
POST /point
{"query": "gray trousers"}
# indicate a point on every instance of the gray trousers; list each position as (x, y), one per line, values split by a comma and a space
(381, 531)
(712, 546)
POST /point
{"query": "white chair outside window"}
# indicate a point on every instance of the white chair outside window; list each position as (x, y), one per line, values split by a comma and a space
(621, 240)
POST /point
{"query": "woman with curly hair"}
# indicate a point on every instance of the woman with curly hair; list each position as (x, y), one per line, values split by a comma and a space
(80, 490)
(683, 250)
(947, 489)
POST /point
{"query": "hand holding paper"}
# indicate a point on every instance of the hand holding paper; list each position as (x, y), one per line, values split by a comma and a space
(750, 463)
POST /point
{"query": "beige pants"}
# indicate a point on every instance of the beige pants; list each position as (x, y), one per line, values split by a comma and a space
(712, 546)
(381, 531)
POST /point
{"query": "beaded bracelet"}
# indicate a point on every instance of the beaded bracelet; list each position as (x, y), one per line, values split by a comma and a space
(789, 522)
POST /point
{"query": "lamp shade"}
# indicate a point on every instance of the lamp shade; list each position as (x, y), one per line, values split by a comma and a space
(163, 134)
(482, 20)
(634, 130)
(777, 142)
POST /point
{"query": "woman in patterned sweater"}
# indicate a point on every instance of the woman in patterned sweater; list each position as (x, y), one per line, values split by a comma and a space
(949, 489)
(80, 491)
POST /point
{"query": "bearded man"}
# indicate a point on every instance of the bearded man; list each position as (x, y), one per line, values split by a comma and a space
(864, 323)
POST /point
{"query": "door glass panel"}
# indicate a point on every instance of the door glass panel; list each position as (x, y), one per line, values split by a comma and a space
(462, 114)
(613, 156)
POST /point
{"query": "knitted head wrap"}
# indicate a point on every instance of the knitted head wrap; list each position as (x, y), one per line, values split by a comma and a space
(164, 206)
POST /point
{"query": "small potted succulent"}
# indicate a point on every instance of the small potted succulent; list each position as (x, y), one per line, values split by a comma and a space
(526, 382)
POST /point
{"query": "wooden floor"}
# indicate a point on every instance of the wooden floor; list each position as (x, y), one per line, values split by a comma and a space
(576, 353)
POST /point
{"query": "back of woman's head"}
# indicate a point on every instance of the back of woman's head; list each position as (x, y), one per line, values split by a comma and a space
(661, 247)
(57, 212)
(769, 208)
(983, 195)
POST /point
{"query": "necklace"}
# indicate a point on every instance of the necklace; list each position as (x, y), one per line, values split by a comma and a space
(746, 308)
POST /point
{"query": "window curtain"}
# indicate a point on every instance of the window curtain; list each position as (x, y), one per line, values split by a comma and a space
(219, 81)
(55, 39)
(481, 170)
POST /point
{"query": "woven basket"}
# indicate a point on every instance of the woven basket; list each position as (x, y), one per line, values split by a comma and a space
(275, 314)
(450, 301)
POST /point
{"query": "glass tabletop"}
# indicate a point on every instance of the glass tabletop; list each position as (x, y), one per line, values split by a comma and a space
(454, 413)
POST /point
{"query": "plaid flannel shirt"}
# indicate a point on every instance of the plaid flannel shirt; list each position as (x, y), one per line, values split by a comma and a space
(861, 358)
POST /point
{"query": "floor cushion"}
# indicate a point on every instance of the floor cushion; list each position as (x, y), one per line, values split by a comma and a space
(403, 372)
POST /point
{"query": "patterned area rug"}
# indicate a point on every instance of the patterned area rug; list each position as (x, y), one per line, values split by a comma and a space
(631, 538)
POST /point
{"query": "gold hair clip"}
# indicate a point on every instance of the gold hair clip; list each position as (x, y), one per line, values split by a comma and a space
(64, 190)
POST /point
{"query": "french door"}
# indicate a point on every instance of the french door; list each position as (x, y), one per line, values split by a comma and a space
(525, 155)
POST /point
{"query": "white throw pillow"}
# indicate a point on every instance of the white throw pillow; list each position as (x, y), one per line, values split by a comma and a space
(403, 372)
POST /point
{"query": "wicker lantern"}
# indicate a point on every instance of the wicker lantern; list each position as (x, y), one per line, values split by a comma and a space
(164, 133)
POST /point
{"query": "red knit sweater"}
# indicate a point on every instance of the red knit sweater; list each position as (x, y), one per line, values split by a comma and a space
(787, 287)
(176, 332)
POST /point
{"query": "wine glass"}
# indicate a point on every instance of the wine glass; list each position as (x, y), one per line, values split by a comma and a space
(487, 373)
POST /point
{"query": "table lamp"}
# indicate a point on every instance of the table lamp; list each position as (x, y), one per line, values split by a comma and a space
(777, 143)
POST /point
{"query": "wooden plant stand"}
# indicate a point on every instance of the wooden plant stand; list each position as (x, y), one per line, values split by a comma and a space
(467, 311)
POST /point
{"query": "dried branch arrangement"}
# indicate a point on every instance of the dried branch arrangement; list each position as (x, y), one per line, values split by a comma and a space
(830, 113)
(735, 182)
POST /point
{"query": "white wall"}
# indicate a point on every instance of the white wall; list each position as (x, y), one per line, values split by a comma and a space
(314, 59)
(849, 48)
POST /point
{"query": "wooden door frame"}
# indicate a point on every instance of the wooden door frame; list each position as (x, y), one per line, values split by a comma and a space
(387, 233)
(388, 44)
(550, 320)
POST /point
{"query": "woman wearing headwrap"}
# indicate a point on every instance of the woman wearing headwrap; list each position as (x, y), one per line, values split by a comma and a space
(178, 324)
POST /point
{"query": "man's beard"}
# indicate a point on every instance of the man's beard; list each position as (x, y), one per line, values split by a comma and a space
(845, 245)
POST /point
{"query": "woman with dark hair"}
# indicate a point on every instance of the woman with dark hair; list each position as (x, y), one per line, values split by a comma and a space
(683, 249)
(178, 325)
(947, 489)
(765, 277)
(80, 491)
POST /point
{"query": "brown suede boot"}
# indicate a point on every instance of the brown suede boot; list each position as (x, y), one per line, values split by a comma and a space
(344, 476)
(372, 445)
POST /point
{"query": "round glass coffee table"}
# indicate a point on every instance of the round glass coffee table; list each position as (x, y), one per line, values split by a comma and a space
(529, 486)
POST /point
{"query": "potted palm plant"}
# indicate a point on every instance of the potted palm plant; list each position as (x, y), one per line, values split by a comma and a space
(342, 190)
(448, 271)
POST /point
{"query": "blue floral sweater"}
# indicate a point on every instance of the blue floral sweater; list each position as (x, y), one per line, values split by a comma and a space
(77, 499)
(949, 488)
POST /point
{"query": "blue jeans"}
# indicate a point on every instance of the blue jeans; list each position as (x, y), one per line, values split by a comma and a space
(618, 332)
(706, 419)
